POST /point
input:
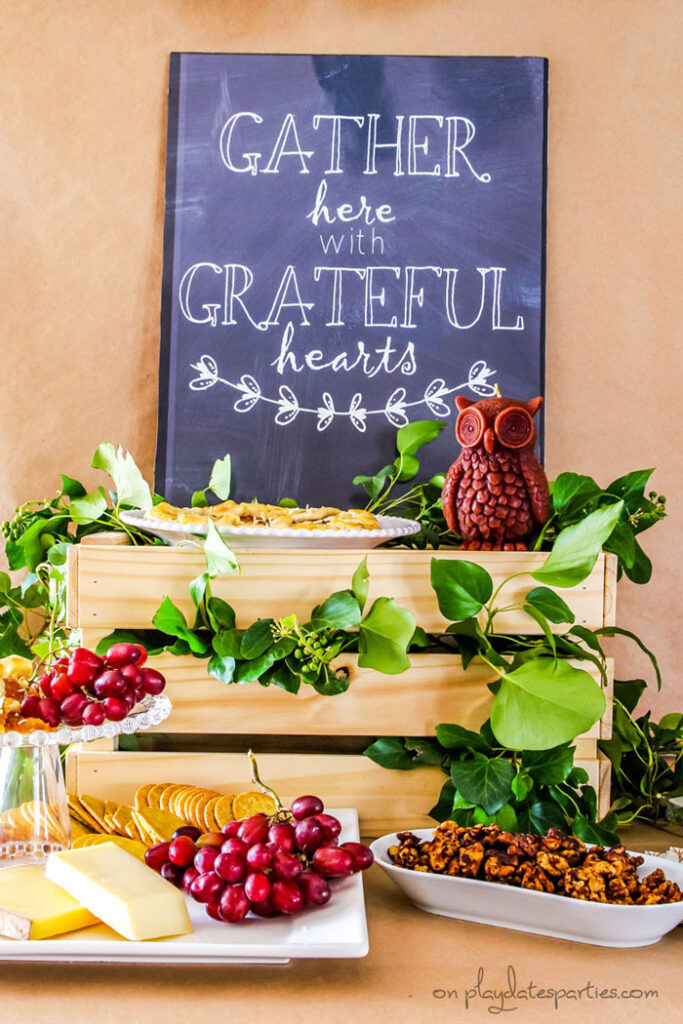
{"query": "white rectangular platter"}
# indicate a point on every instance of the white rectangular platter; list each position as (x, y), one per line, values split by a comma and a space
(337, 930)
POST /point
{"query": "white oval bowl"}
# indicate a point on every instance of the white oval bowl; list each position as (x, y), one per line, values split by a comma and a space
(560, 917)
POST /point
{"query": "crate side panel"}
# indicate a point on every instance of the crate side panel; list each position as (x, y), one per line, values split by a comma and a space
(123, 586)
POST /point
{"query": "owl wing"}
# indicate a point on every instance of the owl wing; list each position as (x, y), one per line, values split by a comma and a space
(536, 485)
(448, 494)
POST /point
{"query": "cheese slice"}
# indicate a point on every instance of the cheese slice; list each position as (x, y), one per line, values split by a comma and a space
(31, 907)
(121, 891)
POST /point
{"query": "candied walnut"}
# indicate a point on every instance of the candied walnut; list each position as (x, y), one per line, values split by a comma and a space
(589, 882)
(657, 888)
(500, 867)
(531, 876)
(552, 863)
(442, 850)
(525, 845)
(622, 888)
(618, 856)
(470, 859)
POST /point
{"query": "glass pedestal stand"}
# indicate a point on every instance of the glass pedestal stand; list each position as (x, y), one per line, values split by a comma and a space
(34, 814)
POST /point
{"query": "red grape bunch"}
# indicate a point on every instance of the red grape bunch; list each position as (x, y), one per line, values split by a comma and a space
(268, 865)
(84, 689)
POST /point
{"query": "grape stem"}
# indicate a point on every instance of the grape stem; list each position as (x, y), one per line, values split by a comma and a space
(255, 778)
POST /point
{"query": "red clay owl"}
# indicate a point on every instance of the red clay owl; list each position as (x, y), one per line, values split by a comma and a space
(496, 491)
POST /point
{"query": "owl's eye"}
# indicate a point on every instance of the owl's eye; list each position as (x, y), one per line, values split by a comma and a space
(514, 427)
(470, 427)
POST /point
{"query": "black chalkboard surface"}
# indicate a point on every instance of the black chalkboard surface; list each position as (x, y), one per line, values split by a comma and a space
(350, 242)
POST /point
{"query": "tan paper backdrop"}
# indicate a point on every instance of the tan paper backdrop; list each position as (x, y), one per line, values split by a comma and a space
(82, 135)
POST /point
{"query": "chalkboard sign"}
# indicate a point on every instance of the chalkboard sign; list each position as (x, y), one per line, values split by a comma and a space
(350, 243)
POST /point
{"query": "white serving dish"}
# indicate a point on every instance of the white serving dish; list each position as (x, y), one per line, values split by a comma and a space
(336, 930)
(601, 924)
(391, 527)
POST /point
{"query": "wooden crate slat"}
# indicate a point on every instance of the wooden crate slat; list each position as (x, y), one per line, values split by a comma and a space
(123, 586)
(386, 800)
(434, 689)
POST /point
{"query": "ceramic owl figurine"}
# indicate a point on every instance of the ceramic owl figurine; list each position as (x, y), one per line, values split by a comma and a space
(496, 492)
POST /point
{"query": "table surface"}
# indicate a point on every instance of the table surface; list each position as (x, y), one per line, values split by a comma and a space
(420, 968)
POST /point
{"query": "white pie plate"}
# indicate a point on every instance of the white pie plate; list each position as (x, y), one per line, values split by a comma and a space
(601, 924)
(391, 527)
(336, 930)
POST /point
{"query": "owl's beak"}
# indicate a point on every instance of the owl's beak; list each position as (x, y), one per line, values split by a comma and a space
(489, 440)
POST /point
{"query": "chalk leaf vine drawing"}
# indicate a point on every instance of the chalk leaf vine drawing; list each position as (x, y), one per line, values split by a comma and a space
(394, 410)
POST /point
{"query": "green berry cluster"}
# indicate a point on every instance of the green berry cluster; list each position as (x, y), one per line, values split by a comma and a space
(12, 529)
(312, 649)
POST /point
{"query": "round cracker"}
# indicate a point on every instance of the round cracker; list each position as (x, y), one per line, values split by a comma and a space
(166, 794)
(154, 794)
(222, 810)
(209, 820)
(142, 795)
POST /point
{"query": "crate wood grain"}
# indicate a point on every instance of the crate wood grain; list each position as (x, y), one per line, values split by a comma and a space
(386, 800)
(434, 689)
(113, 586)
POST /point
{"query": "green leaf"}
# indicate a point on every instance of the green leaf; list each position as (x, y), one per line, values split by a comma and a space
(340, 610)
(198, 587)
(56, 555)
(462, 588)
(570, 486)
(15, 555)
(593, 832)
(576, 548)
(521, 786)
(384, 636)
(221, 614)
(281, 675)
(131, 487)
(506, 818)
(329, 684)
(407, 466)
(420, 638)
(549, 767)
(629, 692)
(72, 488)
(199, 499)
(641, 570)
(632, 485)
(544, 815)
(5, 583)
(416, 435)
(374, 485)
(247, 671)
(672, 722)
(228, 643)
(424, 751)
(545, 703)
(89, 508)
(221, 667)
(484, 781)
(540, 618)
(219, 482)
(588, 637)
(257, 639)
(169, 619)
(360, 583)
(622, 543)
(12, 643)
(550, 604)
(617, 631)
(455, 737)
(389, 752)
(443, 808)
(219, 557)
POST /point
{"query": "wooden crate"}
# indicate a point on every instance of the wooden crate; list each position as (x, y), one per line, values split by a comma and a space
(112, 586)
(386, 800)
